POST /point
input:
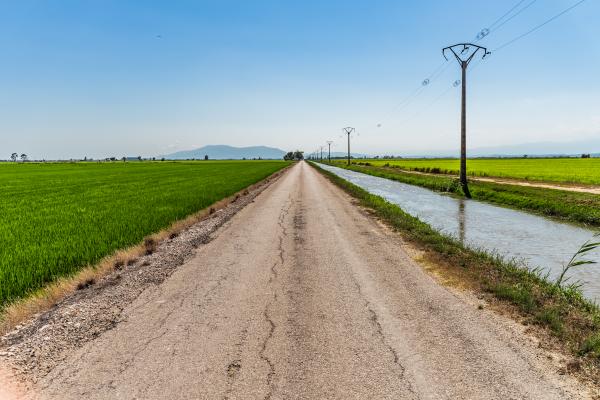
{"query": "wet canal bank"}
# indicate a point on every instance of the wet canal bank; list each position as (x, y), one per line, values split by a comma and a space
(535, 240)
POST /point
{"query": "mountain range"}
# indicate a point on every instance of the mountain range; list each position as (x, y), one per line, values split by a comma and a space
(223, 152)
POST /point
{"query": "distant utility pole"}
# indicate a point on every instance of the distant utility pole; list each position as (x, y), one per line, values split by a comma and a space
(329, 151)
(321, 147)
(464, 56)
(348, 131)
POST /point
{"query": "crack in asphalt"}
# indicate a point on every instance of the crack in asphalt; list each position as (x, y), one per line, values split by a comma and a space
(263, 350)
(374, 319)
(234, 367)
(266, 313)
(163, 324)
(146, 344)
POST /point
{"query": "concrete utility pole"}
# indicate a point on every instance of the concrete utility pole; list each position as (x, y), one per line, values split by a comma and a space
(348, 131)
(329, 153)
(464, 57)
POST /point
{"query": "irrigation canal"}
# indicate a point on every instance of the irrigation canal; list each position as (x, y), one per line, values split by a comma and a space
(530, 239)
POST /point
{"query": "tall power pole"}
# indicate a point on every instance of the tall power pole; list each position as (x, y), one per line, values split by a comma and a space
(464, 53)
(329, 151)
(321, 147)
(348, 131)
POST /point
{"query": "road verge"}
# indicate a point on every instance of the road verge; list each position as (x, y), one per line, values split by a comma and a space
(561, 318)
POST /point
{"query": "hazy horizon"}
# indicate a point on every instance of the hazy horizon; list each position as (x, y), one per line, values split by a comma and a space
(541, 149)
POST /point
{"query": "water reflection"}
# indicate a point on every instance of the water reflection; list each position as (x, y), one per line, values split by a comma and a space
(514, 234)
(461, 220)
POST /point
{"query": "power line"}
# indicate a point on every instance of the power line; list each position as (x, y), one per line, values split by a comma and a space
(415, 93)
(438, 71)
(501, 21)
(464, 61)
(348, 131)
(430, 104)
(492, 26)
(535, 28)
(514, 15)
(498, 25)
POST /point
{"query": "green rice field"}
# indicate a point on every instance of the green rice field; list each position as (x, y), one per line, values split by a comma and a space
(559, 170)
(58, 217)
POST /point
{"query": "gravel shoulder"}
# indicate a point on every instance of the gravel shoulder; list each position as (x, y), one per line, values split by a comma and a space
(295, 294)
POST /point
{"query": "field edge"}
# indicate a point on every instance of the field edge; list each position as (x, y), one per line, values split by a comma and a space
(477, 169)
(43, 299)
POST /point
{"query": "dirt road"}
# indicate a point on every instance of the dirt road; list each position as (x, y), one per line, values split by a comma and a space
(565, 187)
(517, 182)
(301, 295)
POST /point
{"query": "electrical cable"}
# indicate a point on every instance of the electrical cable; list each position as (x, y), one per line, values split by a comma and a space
(492, 26)
(437, 72)
(429, 105)
(530, 31)
(497, 24)
(514, 15)
(535, 28)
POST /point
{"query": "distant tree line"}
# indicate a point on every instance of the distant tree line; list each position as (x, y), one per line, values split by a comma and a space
(294, 156)
(15, 156)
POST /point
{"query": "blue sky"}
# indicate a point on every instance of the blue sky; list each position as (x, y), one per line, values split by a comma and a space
(99, 78)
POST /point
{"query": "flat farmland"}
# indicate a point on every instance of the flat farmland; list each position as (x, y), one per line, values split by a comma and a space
(56, 218)
(559, 170)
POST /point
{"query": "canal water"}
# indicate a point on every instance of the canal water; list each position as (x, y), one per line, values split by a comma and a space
(530, 239)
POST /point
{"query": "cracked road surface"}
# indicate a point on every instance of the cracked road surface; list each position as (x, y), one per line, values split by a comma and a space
(302, 295)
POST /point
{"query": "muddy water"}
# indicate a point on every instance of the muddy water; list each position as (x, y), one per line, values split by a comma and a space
(532, 240)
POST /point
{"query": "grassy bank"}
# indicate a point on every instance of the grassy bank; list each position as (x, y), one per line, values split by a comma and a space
(561, 312)
(58, 218)
(584, 171)
(573, 207)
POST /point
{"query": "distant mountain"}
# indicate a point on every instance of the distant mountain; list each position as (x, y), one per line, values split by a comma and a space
(223, 152)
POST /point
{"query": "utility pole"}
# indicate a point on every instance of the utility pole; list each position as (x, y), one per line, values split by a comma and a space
(321, 147)
(464, 56)
(329, 153)
(348, 131)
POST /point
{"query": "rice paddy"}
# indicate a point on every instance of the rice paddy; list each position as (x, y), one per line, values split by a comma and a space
(559, 170)
(56, 218)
